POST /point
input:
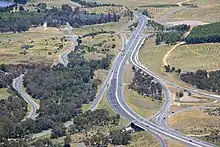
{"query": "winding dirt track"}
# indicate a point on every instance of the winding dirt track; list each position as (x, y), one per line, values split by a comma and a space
(175, 46)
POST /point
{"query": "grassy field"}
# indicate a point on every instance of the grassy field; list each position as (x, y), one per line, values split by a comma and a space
(106, 41)
(135, 3)
(196, 56)
(44, 46)
(143, 139)
(105, 9)
(144, 106)
(51, 3)
(113, 26)
(151, 56)
(157, 13)
(3, 93)
(194, 122)
(210, 13)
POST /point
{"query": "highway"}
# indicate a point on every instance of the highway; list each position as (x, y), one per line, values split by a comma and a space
(116, 98)
(17, 85)
(106, 83)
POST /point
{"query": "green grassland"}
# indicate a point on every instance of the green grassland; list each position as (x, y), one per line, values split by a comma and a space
(196, 56)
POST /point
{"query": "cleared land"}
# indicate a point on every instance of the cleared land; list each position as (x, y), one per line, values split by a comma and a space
(4, 94)
(143, 139)
(102, 44)
(135, 3)
(156, 13)
(196, 56)
(207, 14)
(194, 122)
(52, 3)
(106, 9)
(42, 46)
(144, 106)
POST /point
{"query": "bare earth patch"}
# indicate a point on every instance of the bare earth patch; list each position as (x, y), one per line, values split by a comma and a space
(187, 22)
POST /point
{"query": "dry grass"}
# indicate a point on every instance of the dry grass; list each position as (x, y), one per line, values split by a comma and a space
(144, 106)
(4, 94)
(113, 26)
(194, 122)
(143, 139)
(157, 13)
(107, 41)
(151, 56)
(196, 56)
(105, 9)
(11, 52)
(51, 3)
(135, 3)
(174, 143)
(207, 14)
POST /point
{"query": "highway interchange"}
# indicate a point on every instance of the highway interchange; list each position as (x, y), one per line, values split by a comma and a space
(115, 82)
(116, 98)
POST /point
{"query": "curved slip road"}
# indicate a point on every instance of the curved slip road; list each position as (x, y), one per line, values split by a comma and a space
(17, 85)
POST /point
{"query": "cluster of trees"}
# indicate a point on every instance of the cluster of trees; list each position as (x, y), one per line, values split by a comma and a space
(87, 120)
(215, 112)
(172, 34)
(167, 68)
(203, 80)
(204, 34)
(115, 137)
(62, 90)
(12, 111)
(145, 85)
(22, 21)
(182, 27)
(94, 4)
(97, 33)
(155, 25)
(214, 136)
(9, 72)
(169, 37)
(145, 12)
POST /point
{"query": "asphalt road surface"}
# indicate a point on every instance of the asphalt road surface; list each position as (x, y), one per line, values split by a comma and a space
(106, 83)
(17, 85)
(116, 98)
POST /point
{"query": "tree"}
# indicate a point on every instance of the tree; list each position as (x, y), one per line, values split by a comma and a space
(119, 137)
(181, 94)
(145, 13)
(67, 141)
(179, 71)
(58, 130)
(21, 8)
